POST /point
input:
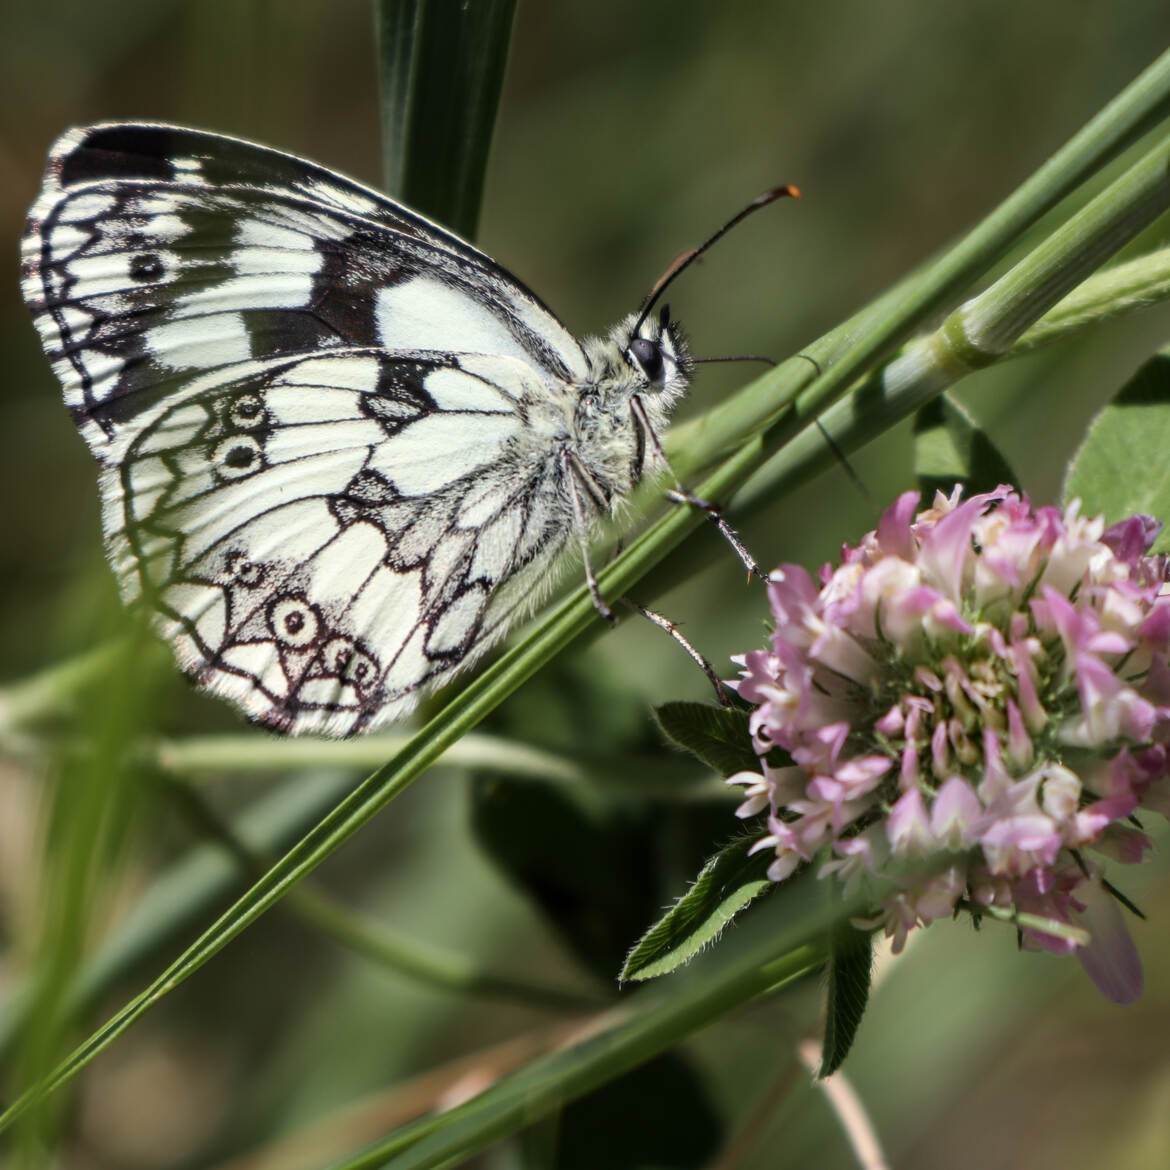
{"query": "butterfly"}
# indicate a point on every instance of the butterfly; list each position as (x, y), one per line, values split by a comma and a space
(340, 448)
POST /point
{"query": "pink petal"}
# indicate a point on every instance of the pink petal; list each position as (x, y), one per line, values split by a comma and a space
(938, 749)
(1157, 686)
(946, 548)
(895, 537)
(891, 722)
(1029, 834)
(1024, 669)
(791, 591)
(1071, 624)
(996, 778)
(1111, 960)
(1132, 537)
(908, 827)
(1156, 626)
(1129, 846)
(955, 812)
(1021, 750)
(861, 774)
(1110, 708)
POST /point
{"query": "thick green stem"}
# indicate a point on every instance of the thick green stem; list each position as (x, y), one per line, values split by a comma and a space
(1120, 290)
(985, 328)
(786, 399)
(981, 331)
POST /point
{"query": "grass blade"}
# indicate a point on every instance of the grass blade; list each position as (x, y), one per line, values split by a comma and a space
(441, 70)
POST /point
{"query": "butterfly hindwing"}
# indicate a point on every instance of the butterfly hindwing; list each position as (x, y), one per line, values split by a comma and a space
(322, 537)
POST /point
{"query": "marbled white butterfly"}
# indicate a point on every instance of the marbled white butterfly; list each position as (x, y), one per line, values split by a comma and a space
(340, 447)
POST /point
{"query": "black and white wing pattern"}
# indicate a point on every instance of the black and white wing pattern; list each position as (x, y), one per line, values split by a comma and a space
(324, 423)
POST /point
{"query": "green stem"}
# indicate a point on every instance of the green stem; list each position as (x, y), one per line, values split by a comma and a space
(674, 780)
(791, 396)
(1122, 289)
(203, 754)
(1024, 921)
(983, 330)
(777, 953)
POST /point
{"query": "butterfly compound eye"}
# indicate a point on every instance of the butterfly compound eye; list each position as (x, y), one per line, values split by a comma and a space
(648, 355)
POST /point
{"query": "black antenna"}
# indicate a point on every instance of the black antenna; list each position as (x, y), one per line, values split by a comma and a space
(688, 258)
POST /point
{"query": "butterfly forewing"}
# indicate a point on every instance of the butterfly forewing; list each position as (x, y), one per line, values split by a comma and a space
(154, 251)
(322, 420)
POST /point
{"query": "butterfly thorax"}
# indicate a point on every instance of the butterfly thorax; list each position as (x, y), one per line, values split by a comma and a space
(608, 436)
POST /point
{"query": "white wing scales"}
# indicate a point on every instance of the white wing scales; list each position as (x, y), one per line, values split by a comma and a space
(312, 411)
(154, 251)
(280, 546)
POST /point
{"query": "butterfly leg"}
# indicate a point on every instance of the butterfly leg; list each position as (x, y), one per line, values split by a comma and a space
(576, 479)
(664, 623)
(682, 495)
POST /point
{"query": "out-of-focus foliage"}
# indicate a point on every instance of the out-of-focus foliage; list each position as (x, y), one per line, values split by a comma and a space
(626, 134)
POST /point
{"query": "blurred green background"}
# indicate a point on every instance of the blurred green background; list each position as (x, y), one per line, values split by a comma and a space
(626, 134)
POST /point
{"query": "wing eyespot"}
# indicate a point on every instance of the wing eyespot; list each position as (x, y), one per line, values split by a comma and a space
(238, 569)
(147, 266)
(247, 412)
(238, 456)
(293, 622)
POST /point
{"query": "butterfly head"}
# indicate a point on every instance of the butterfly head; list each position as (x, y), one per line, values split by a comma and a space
(656, 351)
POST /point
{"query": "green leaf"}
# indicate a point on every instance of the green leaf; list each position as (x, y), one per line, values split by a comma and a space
(718, 736)
(848, 971)
(950, 448)
(725, 885)
(441, 71)
(1121, 467)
